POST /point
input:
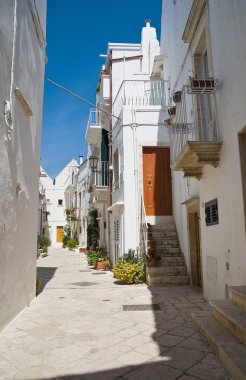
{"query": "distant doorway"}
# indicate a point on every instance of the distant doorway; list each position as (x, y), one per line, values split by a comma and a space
(195, 241)
(59, 234)
(157, 181)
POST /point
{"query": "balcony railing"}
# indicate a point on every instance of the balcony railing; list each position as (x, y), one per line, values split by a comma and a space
(93, 132)
(139, 93)
(194, 136)
(101, 175)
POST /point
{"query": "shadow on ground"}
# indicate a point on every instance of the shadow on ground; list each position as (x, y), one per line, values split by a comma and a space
(45, 274)
(180, 351)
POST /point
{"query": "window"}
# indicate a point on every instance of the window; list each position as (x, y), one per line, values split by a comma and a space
(60, 202)
(211, 212)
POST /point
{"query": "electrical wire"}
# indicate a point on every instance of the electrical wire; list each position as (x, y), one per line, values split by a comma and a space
(79, 97)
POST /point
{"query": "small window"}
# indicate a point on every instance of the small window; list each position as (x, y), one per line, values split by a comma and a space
(211, 212)
(60, 202)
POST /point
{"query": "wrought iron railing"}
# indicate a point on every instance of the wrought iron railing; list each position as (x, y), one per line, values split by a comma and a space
(101, 175)
(191, 120)
(143, 228)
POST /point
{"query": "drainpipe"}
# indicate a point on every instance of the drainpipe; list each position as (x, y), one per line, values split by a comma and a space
(110, 128)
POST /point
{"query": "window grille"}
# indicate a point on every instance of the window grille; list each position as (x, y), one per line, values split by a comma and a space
(211, 212)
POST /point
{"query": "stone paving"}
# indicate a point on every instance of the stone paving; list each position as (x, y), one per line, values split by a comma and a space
(77, 329)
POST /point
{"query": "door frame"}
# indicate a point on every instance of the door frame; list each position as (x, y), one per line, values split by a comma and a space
(141, 171)
(194, 240)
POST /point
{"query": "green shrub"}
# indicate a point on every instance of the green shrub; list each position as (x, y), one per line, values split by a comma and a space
(38, 282)
(71, 243)
(129, 273)
(43, 242)
(131, 257)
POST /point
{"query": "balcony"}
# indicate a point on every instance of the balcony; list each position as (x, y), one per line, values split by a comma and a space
(194, 137)
(140, 93)
(94, 128)
(100, 182)
(105, 90)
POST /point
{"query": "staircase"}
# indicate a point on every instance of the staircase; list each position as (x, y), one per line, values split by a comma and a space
(171, 269)
(225, 330)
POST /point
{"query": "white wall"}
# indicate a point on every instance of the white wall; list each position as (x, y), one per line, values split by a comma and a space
(54, 192)
(222, 244)
(139, 126)
(19, 163)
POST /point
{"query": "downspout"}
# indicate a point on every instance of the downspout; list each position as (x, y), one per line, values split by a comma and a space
(8, 104)
(110, 152)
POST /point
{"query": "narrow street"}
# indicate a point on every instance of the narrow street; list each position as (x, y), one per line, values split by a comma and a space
(83, 325)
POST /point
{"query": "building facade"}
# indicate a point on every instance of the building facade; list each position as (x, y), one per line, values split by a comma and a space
(59, 196)
(129, 137)
(22, 54)
(206, 70)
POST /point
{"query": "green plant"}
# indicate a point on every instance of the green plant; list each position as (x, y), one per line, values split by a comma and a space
(93, 230)
(94, 256)
(131, 256)
(43, 242)
(71, 243)
(38, 282)
(129, 273)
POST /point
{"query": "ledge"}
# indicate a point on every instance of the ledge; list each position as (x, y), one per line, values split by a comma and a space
(193, 20)
(195, 155)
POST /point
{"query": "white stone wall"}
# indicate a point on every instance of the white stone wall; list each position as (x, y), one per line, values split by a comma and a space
(22, 65)
(222, 245)
(139, 126)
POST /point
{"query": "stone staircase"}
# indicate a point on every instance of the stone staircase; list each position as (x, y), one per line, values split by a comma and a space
(171, 269)
(224, 328)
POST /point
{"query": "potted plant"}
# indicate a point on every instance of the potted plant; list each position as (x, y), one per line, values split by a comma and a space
(202, 83)
(171, 110)
(177, 97)
(167, 122)
(102, 263)
(152, 259)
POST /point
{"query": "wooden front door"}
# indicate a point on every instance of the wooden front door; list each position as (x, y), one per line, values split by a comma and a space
(198, 250)
(59, 234)
(157, 181)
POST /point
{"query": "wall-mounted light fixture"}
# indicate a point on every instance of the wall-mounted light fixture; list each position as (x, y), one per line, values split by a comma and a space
(93, 162)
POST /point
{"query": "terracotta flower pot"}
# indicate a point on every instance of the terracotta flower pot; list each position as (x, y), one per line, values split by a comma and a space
(151, 243)
(172, 111)
(82, 250)
(152, 263)
(167, 121)
(203, 83)
(177, 97)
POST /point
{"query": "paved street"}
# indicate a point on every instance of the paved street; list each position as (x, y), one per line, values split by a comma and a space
(81, 327)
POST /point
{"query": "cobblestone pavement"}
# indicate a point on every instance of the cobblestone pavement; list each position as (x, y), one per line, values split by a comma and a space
(77, 328)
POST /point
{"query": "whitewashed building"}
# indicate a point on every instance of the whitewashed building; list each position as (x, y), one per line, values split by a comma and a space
(203, 43)
(132, 90)
(22, 56)
(59, 195)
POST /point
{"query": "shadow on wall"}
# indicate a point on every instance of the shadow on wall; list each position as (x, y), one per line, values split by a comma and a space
(45, 274)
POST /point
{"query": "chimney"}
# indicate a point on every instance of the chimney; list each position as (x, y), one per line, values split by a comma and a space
(80, 160)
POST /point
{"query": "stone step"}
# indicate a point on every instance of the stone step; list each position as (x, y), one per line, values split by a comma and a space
(167, 280)
(167, 271)
(238, 296)
(172, 260)
(231, 317)
(169, 251)
(167, 246)
(164, 234)
(231, 353)
(164, 227)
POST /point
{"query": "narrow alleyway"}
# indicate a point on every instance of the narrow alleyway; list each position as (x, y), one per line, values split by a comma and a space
(81, 327)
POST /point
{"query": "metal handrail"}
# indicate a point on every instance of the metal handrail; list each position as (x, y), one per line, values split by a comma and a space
(143, 228)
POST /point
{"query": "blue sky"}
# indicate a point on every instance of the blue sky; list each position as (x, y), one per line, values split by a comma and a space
(77, 32)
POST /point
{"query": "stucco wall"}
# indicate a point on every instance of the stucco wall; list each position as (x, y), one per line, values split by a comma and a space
(19, 156)
(222, 245)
